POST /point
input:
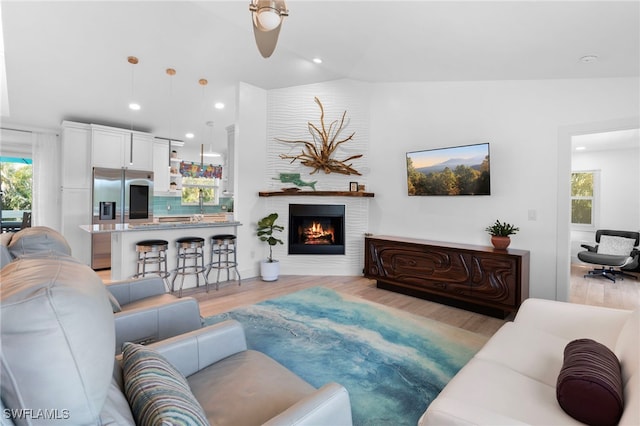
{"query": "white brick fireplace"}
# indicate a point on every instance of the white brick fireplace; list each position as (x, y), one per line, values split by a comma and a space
(289, 111)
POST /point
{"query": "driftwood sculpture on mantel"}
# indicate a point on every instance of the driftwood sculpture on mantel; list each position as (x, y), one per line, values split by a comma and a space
(318, 153)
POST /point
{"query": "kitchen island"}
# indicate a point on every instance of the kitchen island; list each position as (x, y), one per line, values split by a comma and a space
(125, 236)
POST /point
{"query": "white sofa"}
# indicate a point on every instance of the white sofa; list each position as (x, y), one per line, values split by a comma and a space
(512, 379)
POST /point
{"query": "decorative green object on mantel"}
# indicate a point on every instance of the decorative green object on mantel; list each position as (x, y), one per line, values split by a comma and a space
(295, 179)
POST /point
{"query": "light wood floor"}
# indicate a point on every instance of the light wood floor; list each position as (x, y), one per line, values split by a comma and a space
(599, 291)
(593, 291)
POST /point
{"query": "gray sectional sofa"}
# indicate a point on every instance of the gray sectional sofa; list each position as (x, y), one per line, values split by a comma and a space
(144, 312)
(57, 362)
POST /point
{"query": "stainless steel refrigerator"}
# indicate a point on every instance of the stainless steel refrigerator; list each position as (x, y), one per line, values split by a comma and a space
(119, 196)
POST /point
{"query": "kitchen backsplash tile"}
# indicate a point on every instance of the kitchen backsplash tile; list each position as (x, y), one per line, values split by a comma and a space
(171, 205)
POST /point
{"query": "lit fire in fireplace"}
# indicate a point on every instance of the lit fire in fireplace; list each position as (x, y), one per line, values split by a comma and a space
(316, 234)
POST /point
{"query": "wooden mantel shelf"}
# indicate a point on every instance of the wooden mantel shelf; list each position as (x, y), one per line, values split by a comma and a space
(316, 193)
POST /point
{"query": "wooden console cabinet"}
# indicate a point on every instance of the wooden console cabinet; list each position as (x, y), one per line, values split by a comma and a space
(477, 278)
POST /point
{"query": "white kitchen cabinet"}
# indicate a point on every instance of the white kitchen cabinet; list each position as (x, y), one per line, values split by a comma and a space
(76, 155)
(76, 211)
(160, 165)
(117, 148)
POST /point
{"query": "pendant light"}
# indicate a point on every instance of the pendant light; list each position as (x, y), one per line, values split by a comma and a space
(134, 106)
(203, 82)
(170, 72)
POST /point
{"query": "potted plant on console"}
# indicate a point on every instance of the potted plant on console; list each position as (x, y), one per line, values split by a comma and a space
(269, 268)
(500, 232)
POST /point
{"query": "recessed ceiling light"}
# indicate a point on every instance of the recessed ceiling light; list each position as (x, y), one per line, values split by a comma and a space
(189, 135)
(317, 60)
(218, 105)
(134, 106)
(580, 148)
(587, 59)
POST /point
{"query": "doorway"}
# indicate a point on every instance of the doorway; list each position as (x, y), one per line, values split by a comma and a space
(605, 169)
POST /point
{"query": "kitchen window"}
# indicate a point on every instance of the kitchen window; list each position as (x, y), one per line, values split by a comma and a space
(200, 182)
(191, 188)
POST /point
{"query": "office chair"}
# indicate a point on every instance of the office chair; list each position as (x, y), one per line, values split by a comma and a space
(615, 249)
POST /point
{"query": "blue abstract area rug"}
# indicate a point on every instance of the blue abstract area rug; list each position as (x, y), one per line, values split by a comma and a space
(392, 363)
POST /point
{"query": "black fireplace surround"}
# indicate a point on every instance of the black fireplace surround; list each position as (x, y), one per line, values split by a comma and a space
(316, 229)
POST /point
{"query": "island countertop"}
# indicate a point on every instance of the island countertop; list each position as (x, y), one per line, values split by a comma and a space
(153, 226)
(125, 237)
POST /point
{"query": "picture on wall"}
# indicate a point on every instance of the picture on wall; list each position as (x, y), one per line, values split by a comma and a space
(460, 170)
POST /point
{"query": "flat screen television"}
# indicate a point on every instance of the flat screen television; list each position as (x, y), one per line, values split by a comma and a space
(459, 170)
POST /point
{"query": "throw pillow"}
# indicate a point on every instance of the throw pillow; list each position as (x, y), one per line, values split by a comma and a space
(589, 385)
(618, 246)
(158, 393)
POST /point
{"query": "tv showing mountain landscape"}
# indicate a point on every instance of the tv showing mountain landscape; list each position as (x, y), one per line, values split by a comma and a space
(460, 170)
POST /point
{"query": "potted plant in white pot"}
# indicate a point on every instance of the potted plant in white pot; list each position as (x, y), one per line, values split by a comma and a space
(500, 232)
(269, 268)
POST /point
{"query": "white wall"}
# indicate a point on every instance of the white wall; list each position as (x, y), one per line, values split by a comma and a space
(619, 180)
(251, 151)
(521, 120)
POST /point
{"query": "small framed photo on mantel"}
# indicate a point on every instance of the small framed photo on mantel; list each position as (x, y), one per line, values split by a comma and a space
(353, 186)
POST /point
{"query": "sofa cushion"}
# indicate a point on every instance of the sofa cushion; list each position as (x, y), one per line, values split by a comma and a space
(157, 392)
(526, 350)
(590, 383)
(485, 392)
(247, 388)
(51, 309)
(38, 239)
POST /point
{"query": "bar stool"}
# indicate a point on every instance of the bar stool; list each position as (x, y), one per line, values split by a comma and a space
(223, 245)
(152, 252)
(189, 249)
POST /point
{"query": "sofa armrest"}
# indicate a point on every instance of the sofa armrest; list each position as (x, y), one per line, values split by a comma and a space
(572, 320)
(150, 324)
(127, 291)
(198, 349)
(329, 405)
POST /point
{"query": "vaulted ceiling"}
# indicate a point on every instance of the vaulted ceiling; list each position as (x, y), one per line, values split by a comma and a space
(68, 60)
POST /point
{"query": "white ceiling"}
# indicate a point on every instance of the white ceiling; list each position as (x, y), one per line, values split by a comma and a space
(68, 60)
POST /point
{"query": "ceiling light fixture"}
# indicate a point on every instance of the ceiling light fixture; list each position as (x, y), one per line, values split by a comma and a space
(267, 17)
(588, 59)
(317, 60)
(189, 135)
(133, 105)
(218, 105)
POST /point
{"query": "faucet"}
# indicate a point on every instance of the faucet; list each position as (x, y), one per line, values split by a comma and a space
(201, 201)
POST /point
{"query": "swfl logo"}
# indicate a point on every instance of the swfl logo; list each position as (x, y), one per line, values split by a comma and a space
(36, 414)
